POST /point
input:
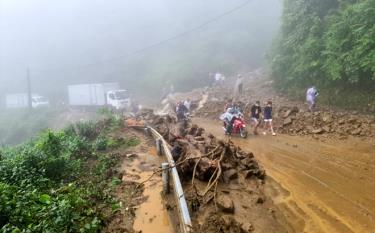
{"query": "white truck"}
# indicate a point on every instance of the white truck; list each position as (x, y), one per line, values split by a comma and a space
(21, 100)
(99, 94)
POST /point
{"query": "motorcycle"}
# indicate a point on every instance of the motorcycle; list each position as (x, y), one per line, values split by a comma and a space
(238, 127)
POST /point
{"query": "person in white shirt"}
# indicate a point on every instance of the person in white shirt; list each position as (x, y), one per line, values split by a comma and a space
(217, 78)
(187, 104)
(239, 85)
(311, 95)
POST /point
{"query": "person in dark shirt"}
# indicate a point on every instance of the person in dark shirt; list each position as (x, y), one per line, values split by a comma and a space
(254, 116)
(267, 113)
(181, 111)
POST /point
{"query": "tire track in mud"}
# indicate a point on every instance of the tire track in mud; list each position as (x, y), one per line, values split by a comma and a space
(320, 186)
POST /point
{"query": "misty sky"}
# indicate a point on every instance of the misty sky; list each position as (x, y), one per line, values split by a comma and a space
(70, 39)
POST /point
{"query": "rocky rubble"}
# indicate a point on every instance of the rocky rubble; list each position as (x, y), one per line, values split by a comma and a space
(200, 152)
(298, 122)
(293, 120)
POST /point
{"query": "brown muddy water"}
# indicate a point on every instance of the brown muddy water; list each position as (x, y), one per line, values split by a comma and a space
(151, 215)
(320, 186)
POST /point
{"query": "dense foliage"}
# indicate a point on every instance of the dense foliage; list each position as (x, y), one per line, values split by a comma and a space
(60, 181)
(330, 44)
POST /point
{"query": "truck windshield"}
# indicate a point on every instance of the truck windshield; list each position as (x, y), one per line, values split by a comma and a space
(120, 95)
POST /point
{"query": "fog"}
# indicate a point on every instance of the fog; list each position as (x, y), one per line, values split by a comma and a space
(141, 44)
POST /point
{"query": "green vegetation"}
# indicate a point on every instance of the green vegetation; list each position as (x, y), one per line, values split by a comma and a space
(330, 44)
(61, 181)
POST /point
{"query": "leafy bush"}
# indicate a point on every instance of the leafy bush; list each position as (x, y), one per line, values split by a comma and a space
(57, 182)
(87, 129)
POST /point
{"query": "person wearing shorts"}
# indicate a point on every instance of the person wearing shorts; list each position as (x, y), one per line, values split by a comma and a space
(268, 118)
(255, 112)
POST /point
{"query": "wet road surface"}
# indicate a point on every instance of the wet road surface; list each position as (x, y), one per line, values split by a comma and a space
(319, 186)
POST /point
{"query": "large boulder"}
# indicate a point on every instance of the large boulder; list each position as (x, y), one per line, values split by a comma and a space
(287, 121)
(225, 204)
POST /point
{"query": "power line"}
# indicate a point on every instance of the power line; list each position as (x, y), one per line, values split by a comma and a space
(156, 44)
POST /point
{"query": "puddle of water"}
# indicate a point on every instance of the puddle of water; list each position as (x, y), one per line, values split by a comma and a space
(153, 151)
(151, 216)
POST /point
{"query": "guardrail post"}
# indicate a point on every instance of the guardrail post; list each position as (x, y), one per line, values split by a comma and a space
(147, 131)
(183, 210)
(165, 177)
(159, 146)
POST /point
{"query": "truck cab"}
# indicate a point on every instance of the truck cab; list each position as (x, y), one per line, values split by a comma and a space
(119, 99)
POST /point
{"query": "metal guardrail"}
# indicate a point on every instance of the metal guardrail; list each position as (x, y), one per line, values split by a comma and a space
(185, 221)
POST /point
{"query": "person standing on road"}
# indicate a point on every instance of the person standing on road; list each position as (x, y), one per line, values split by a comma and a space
(311, 95)
(268, 118)
(217, 78)
(181, 111)
(238, 88)
(254, 116)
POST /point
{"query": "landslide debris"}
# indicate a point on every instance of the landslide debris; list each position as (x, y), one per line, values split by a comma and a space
(298, 122)
(202, 156)
(215, 173)
(294, 119)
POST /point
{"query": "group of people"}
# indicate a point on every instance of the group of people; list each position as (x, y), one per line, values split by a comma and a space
(233, 110)
(255, 113)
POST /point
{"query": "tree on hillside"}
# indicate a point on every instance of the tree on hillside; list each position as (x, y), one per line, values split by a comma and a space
(329, 43)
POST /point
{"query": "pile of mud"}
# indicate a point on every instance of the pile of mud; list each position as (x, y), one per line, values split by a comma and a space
(297, 122)
(214, 174)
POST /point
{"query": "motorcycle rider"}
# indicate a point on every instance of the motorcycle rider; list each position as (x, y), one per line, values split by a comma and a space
(228, 118)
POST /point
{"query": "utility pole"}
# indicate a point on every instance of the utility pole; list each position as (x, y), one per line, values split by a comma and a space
(28, 89)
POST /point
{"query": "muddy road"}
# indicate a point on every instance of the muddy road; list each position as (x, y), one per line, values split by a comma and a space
(319, 186)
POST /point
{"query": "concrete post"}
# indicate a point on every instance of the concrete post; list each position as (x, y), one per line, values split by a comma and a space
(147, 131)
(159, 146)
(165, 177)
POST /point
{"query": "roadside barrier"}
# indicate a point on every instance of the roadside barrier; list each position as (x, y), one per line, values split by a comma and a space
(163, 149)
